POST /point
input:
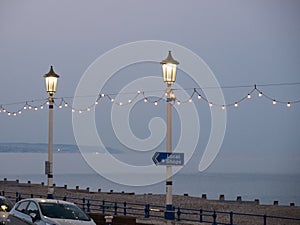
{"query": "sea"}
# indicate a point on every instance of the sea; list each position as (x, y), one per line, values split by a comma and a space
(25, 162)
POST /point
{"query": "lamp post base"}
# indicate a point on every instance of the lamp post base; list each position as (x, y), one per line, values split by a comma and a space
(170, 212)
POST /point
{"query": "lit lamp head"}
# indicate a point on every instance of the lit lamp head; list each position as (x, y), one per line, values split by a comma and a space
(51, 81)
(4, 208)
(169, 69)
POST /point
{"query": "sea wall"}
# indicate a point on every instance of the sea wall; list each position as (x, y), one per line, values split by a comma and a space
(179, 201)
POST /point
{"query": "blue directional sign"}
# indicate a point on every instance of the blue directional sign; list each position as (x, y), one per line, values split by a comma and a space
(168, 159)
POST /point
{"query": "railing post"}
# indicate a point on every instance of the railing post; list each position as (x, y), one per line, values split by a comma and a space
(178, 214)
(125, 210)
(201, 215)
(265, 219)
(88, 206)
(103, 206)
(116, 208)
(83, 204)
(147, 211)
(231, 218)
(18, 196)
(214, 218)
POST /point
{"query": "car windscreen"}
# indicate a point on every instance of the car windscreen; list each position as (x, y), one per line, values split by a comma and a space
(62, 211)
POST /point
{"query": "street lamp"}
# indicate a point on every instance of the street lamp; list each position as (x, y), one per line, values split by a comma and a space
(169, 66)
(51, 83)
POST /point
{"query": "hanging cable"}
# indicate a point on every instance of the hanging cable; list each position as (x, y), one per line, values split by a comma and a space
(146, 96)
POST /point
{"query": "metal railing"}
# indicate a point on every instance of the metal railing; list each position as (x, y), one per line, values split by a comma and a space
(157, 211)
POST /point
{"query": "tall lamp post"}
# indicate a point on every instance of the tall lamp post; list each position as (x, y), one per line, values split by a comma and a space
(169, 66)
(51, 83)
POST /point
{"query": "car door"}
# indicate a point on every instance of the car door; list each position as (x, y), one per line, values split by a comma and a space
(34, 213)
(21, 211)
(13, 220)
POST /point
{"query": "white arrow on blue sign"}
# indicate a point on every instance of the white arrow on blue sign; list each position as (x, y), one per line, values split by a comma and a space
(168, 159)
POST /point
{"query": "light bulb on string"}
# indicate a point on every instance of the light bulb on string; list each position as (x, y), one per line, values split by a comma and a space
(172, 96)
(63, 104)
(25, 106)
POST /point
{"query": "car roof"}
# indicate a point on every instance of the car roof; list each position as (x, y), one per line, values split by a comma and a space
(3, 197)
(38, 200)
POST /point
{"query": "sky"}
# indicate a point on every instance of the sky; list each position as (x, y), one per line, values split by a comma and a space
(243, 43)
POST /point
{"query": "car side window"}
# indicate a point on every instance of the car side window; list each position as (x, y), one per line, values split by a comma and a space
(32, 208)
(22, 207)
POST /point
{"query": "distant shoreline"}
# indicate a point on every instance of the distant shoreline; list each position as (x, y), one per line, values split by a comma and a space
(20, 147)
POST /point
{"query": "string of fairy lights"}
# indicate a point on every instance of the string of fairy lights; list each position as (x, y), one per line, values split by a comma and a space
(146, 97)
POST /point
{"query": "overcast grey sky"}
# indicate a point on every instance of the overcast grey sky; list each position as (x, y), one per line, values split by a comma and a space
(243, 42)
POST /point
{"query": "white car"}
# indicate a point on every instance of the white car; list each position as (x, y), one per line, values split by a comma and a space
(49, 212)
